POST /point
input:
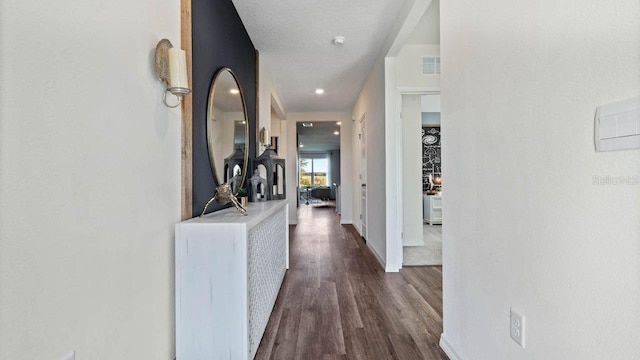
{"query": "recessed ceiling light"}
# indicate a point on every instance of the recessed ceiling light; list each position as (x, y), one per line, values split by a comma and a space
(339, 123)
(301, 145)
(307, 124)
(319, 91)
(336, 133)
(234, 91)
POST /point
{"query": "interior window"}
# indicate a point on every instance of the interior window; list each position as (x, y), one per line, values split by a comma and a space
(314, 172)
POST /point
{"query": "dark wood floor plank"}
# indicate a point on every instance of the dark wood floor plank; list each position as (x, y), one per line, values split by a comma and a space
(308, 344)
(355, 343)
(331, 334)
(337, 303)
(348, 308)
(287, 337)
(378, 345)
(404, 347)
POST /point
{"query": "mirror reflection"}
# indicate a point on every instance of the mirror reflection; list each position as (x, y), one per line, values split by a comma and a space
(227, 130)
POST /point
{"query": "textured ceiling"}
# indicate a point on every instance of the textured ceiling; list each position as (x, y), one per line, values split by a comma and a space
(320, 137)
(294, 38)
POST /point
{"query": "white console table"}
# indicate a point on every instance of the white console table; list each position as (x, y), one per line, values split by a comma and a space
(229, 269)
(432, 209)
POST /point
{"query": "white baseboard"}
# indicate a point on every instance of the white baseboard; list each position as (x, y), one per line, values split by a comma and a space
(448, 349)
(392, 268)
(346, 222)
(375, 253)
(385, 266)
(413, 242)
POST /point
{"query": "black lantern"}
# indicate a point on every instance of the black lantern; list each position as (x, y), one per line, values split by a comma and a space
(274, 166)
(233, 166)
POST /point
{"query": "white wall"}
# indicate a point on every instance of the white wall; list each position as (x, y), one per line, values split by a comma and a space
(409, 66)
(354, 172)
(370, 103)
(89, 180)
(269, 101)
(412, 228)
(520, 84)
(379, 103)
(334, 169)
(345, 160)
(427, 30)
(430, 103)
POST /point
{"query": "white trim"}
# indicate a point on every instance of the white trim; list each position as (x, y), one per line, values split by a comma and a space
(393, 171)
(358, 230)
(393, 234)
(392, 268)
(419, 90)
(346, 222)
(448, 348)
(414, 242)
(399, 178)
(375, 253)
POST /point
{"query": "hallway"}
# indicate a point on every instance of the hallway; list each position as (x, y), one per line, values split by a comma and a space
(336, 302)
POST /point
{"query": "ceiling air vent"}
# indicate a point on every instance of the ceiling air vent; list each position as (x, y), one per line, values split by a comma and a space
(431, 65)
(307, 124)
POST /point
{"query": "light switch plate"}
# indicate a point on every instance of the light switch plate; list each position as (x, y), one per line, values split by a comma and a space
(617, 125)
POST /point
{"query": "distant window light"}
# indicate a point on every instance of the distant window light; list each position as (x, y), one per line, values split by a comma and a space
(430, 65)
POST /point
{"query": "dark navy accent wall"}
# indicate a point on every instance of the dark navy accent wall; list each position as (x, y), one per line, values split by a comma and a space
(219, 40)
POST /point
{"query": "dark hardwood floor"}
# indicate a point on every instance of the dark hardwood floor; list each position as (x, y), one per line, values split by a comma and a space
(336, 302)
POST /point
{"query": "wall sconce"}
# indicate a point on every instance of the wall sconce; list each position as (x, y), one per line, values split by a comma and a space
(171, 69)
(264, 137)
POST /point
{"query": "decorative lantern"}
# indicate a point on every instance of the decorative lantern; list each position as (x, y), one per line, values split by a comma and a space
(275, 174)
(258, 187)
(233, 167)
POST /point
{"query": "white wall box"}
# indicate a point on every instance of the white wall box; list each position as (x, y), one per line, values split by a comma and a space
(229, 269)
(618, 125)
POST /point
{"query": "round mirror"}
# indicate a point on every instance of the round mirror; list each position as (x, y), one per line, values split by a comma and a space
(227, 134)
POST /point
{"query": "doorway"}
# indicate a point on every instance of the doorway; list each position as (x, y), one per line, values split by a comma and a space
(319, 158)
(362, 143)
(421, 179)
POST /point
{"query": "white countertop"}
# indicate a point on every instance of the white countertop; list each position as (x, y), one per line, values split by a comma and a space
(256, 212)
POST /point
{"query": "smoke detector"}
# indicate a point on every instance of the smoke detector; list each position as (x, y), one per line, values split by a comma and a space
(338, 40)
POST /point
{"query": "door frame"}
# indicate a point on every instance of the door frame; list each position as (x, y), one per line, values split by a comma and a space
(396, 223)
(362, 123)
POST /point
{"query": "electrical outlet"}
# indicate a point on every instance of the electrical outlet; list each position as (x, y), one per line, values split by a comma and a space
(69, 356)
(517, 327)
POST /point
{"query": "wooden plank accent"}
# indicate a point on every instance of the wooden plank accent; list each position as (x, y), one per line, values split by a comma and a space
(187, 114)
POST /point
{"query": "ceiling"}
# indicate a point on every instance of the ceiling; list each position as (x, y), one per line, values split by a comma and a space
(427, 30)
(294, 38)
(320, 137)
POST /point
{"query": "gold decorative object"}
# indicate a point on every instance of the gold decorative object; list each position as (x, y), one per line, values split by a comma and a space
(223, 196)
